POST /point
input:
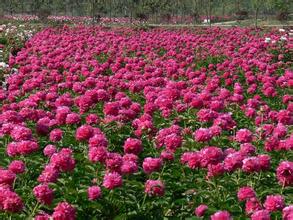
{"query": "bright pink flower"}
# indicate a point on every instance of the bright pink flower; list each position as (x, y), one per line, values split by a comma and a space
(44, 194)
(154, 188)
(42, 216)
(264, 161)
(221, 215)
(49, 174)
(233, 161)
(200, 210)
(10, 201)
(20, 133)
(247, 149)
(97, 154)
(287, 212)
(17, 166)
(84, 132)
(56, 135)
(63, 160)
(132, 145)
(94, 192)
(285, 173)
(72, 118)
(245, 193)
(49, 150)
(114, 162)
(129, 167)
(151, 165)
(202, 134)
(251, 164)
(92, 119)
(274, 203)
(211, 155)
(7, 177)
(252, 205)
(167, 155)
(112, 180)
(243, 136)
(261, 215)
(64, 211)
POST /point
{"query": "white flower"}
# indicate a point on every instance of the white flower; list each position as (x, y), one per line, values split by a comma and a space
(267, 40)
(3, 65)
(282, 30)
(206, 21)
(283, 38)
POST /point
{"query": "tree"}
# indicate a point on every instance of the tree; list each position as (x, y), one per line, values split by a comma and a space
(256, 4)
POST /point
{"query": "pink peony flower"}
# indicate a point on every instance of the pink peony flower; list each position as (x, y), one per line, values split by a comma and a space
(10, 201)
(72, 118)
(92, 119)
(154, 188)
(233, 161)
(20, 133)
(97, 154)
(7, 177)
(245, 193)
(112, 180)
(84, 132)
(261, 215)
(221, 215)
(151, 164)
(44, 194)
(17, 166)
(243, 136)
(251, 164)
(64, 210)
(274, 203)
(63, 160)
(211, 155)
(132, 145)
(285, 173)
(42, 216)
(50, 174)
(287, 212)
(200, 210)
(202, 135)
(94, 192)
(49, 150)
(252, 205)
(56, 135)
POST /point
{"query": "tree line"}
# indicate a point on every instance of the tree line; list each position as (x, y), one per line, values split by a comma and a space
(144, 9)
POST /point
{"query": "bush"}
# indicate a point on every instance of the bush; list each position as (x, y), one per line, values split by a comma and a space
(3, 40)
(141, 16)
(196, 17)
(283, 16)
(43, 14)
(241, 15)
(166, 18)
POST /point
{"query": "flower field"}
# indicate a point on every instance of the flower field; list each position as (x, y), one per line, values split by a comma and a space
(117, 123)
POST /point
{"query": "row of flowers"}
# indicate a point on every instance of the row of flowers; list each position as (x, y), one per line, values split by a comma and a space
(117, 20)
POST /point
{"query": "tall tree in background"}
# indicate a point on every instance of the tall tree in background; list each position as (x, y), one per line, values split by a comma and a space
(257, 6)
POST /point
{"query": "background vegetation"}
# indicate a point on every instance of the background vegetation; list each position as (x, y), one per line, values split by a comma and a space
(151, 9)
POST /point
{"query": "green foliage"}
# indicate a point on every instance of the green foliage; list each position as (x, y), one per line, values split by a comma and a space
(143, 9)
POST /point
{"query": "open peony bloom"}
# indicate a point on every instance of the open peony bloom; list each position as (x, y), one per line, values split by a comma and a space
(154, 188)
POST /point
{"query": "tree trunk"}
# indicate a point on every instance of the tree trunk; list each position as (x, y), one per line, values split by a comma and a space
(223, 7)
(256, 15)
(210, 12)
